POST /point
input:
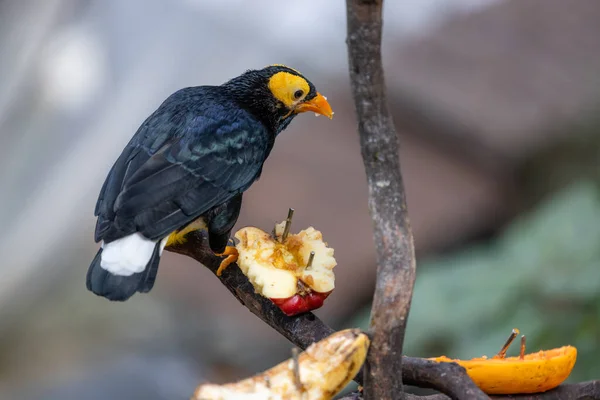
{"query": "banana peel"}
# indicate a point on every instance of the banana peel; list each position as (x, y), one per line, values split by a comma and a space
(319, 373)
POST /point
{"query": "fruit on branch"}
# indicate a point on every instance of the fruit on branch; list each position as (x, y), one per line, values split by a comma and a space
(526, 373)
(281, 267)
(319, 373)
(536, 372)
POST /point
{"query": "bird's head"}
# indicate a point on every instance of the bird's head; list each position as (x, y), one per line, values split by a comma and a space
(276, 94)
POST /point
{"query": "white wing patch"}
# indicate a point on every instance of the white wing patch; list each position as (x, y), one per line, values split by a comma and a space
(128, 255)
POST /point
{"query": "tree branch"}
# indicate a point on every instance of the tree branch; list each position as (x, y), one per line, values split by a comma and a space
(574, 391)
(387, 201)
(305, 329)
(302, 330)
(448, 378)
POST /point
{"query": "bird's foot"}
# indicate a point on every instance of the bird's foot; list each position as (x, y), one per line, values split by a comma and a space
(232, 256)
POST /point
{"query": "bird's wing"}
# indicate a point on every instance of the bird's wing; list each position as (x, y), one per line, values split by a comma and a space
(170, 174)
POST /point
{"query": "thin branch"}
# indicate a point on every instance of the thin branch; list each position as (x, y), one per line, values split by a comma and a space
(448, 378)
(574, 391)
(302, 330)
(387, 201)
(305, 329)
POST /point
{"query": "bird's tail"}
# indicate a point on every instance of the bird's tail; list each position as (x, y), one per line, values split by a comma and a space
(116, 286)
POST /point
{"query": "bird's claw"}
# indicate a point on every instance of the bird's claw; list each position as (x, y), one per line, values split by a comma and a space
(232, 255)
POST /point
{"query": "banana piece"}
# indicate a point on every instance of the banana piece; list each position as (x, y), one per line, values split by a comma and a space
(319, 373)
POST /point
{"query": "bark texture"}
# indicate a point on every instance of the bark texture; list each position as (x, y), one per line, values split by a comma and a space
(305, 329)
(574, 391)
(387, 201)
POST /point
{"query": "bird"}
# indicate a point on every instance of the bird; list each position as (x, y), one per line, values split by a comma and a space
(186, 168)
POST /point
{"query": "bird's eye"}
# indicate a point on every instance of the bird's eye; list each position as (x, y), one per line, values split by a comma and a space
(298, 94)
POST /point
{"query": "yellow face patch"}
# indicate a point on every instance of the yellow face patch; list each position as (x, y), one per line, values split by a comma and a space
(284, 86)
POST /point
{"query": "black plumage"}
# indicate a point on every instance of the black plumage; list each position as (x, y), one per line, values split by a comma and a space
(192, 158)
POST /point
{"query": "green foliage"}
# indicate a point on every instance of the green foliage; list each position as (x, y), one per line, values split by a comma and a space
(541, 275)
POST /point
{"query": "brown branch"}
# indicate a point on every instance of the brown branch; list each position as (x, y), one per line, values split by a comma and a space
(387, 201)
(302, 330)
(305, 329)
(574, 391)
(448, 378)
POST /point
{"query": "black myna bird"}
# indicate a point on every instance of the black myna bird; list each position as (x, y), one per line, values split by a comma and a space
(186, 168)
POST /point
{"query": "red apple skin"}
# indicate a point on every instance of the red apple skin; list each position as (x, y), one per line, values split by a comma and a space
(298, 304)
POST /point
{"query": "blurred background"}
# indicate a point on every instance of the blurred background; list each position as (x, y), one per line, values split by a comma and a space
(496, 104)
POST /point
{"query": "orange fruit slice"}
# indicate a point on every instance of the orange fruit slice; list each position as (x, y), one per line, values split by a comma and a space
(528, 373)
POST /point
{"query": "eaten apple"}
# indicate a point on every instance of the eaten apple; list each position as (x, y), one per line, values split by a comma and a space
(280, 270)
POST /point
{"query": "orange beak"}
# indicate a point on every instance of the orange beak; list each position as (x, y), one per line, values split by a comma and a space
(318, 105)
